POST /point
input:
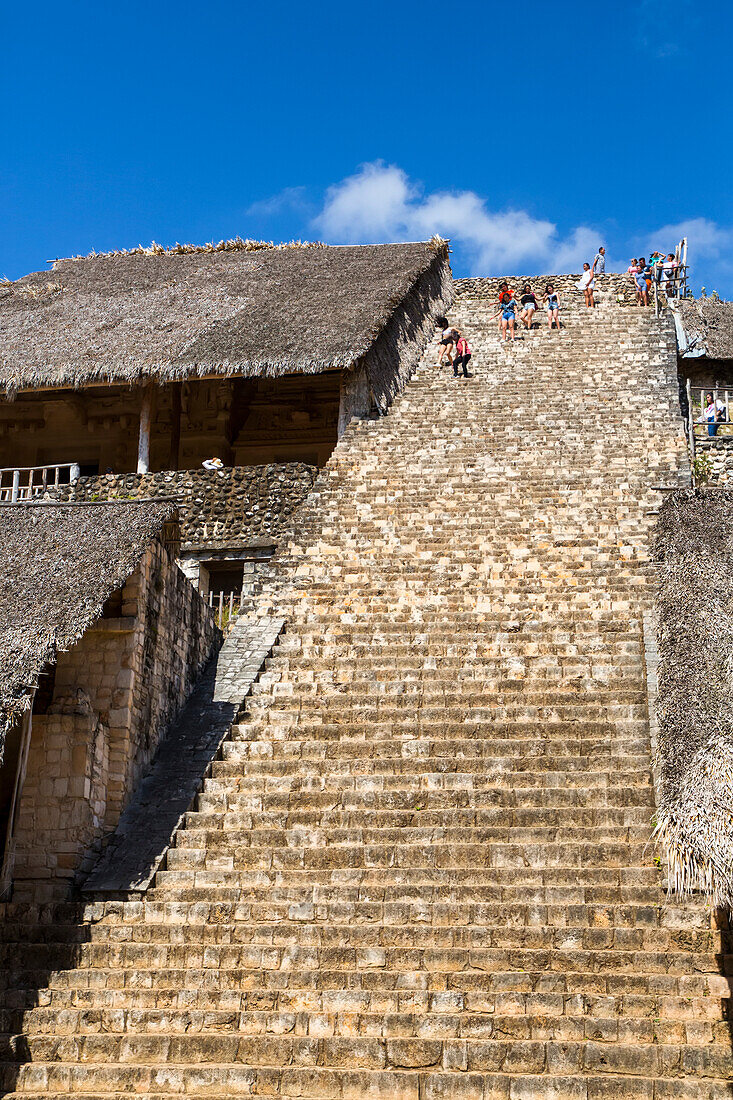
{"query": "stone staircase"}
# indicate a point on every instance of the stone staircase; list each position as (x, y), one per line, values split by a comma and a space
(420, 869)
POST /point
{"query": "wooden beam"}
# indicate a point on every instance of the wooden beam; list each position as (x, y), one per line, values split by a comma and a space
(146, 419)
(175, 452)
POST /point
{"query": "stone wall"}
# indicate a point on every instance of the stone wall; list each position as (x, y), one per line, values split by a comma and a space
(717, 457)
(115, 694)
(620, 288)
(239, 504)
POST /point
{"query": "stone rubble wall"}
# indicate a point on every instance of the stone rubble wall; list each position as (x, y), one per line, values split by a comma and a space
(239, 504)
(720, 453)
(116, 693)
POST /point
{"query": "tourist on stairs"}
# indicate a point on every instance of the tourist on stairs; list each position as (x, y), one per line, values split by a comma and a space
(448, 339)
(529, 305)
(507, 308)
(552, 305)
(463, 357)
(643, 279)
(600, 261)
(587, 283)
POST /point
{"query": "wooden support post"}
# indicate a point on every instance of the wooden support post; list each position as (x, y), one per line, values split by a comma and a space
(175, 453)
(690, 423)
(146, 418)
(8, 854)
(16, 485)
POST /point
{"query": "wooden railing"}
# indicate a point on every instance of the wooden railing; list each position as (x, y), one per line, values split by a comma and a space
(226, 607)
(19, 483)
(699, 428)
(672, 284)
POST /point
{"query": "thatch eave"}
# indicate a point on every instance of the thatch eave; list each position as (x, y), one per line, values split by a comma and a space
(59, 563)
(169, 316)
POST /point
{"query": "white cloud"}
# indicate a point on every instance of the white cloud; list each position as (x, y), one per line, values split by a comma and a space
(706, 238)
(710, 251)
(381, 203)
(290, 198)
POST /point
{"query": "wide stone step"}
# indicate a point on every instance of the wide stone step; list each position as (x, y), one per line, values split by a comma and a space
(552, 1026)
(576, 874)
(606, 749)
(287, 933)
(225, 1082)
(417, 846)
(542, 819)
(491, 768)
(428, 774)
(162, 921)
(93, 1056)
(438, 791)
(85, 1007)
(299, 990)
(535, 729)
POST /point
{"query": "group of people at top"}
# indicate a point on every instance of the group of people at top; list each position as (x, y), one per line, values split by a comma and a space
(663, 270)
(660, 269)
(527, 306)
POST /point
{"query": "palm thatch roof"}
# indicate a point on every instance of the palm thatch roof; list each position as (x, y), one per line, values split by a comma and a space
(695, 634)
(58, 565)
(234, 309)
(708, 327)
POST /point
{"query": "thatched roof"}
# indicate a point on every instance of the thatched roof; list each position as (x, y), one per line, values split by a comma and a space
(695, 815)
(187, 312)
(708, 326)
(58, 565)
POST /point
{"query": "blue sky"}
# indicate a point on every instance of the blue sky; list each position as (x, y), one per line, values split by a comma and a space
(527, 133)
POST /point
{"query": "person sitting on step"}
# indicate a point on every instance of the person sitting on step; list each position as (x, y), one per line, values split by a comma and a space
(529, 305)
(552, 304)
(463, 357)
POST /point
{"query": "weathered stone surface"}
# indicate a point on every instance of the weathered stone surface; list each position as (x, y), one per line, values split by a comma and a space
(143, 836)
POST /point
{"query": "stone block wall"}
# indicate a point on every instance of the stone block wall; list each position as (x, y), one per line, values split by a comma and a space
(238, 504)
(115, 694)
(719, 455)
(620, 288)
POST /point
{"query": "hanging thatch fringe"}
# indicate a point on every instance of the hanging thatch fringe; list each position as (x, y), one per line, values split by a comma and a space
(694, 827)
(233, 244)
(244, 311)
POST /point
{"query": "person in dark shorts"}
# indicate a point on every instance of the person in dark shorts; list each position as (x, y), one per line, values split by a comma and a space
(463, 357)
(448, 338)
(529, 305)
(507, 309)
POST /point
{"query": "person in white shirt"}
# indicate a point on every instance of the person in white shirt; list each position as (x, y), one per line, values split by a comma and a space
(669, 275)
(212, 464)
(587, 283)
(714, 415)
